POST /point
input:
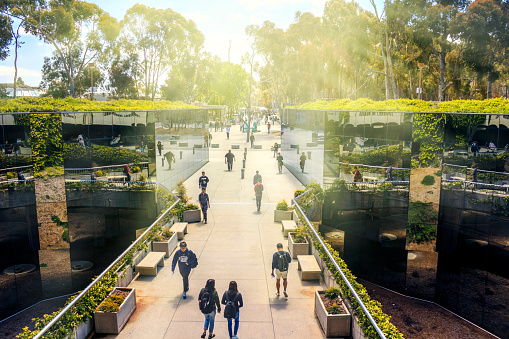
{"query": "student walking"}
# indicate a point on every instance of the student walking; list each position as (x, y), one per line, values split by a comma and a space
(280, 263)
(302, 161)
(257, 178)
(170, 157)
(228, 159)
(127, 172)
(357, 176)
(279, 162)
(159, 147)
(208, 301)
(276, 147)
(233, 301)
(204, 203)
(203, 181)
(258, 188)
(252, 139)
(186, 260)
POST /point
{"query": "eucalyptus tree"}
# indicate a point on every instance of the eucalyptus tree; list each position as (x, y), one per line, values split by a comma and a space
(161, 39)
(70, 26)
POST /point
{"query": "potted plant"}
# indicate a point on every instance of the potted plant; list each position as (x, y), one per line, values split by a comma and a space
(332, 314)
(113, 313)
(297, 243)
(282, 212)
(191, 213)
(164, 241)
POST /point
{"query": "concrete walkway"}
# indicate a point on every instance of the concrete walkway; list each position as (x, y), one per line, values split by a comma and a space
(236, 244)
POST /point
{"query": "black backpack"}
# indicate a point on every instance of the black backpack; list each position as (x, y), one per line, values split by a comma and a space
(282, 264)
(206, 302)
(193, 265)
(229, 309)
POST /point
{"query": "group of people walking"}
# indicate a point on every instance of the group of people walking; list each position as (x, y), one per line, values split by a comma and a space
(208, 298)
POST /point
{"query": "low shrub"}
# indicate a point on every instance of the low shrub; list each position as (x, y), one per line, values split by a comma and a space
(332, 293)
(428, 180)
(111, 304)
(282, 206)
(334, 309)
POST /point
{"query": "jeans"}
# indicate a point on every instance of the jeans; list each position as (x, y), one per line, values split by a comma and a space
(236, 330)
(230, 165)
(258, 202)
(280, 166)
(209, 321)
(185, 277)
(204, 211)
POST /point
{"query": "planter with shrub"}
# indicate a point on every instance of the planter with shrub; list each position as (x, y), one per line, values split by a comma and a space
(282, 212)
(165, 241)
(113, 313)
(297, 243)
(334, 317)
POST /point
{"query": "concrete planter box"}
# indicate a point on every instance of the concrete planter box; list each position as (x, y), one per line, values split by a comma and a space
(166, 246)
(125, 276)
(333, 325)
(282, 215)
(296, 249)
(192, 215)
(82, 330)
(114, 322)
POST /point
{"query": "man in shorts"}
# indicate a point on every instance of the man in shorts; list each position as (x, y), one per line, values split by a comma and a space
(280, 262)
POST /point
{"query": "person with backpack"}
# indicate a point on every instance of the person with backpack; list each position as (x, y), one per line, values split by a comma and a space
(232, 300)
(187, 260)
(208, 301)
(127, 172)
(159, 147)
(302, 161)
(280, 262)
(258, 188)
(357, 176)
(279, 162)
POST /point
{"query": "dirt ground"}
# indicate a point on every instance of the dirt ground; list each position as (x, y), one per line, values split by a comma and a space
(420, 192)
(418, 319)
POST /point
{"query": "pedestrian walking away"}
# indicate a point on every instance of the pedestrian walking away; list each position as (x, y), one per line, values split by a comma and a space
(204, 203)
(186, 260)
(302, 161)
(229, 158)
(474, 172)
(203, 181)
(258, 188)
(268, 128)
(280, 262)
(208, 301)
(276, 147)
(206, 139)
(227, 132)
(357, 176)
(127, 172)
(279, 162)
(170, 157)
(252, 139)
(160, 147)
(232, 300)
(257, 178)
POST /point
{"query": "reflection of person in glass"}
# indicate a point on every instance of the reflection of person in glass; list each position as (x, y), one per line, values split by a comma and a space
(474, 172)
(388, 172)
(302, 161)
(357, 176)
(21, 177)
(127, 172)
(159, 147)
(170, 157)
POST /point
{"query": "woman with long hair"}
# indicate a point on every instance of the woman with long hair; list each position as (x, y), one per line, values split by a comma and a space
(233, 301)
(208, 301)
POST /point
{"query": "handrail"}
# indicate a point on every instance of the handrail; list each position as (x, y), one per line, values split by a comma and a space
(98, 167)
(372, 166)
(99, 277)
(343, 276)
(479, 170)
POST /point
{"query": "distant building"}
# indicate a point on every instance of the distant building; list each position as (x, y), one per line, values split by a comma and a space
(21, 91)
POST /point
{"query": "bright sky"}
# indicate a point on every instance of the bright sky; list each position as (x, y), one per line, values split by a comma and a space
(219, 20)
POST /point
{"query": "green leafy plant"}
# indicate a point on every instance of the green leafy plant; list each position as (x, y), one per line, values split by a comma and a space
(298, 192)
(332, 293)
(334, 309)
(11, 175)
(428, 180)
(299, 236)
(136, 169)
(438, 173)
(282, 206)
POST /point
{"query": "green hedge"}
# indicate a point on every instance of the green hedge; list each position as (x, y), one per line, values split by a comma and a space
(82, 105)
(498, 105)
(78, 156)
(374, 307)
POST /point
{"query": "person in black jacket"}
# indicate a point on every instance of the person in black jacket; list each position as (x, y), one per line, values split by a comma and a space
(234, 296)
(187, 260)
(210, 288)
(203, 181)
(204, 203)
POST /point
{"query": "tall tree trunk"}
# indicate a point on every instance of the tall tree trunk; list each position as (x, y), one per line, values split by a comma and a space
(490, 92)
(441, 81)
(16, 45)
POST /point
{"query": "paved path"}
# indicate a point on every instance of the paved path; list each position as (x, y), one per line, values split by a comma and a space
(237, 244)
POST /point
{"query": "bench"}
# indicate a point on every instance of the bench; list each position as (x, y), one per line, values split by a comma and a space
(180, 228)
(458, 178)
(148, 266)
(366, 178)
(235, 146)
(288, 226)
(309, 267)
(215, 145)
(117, 178)
(257, 146)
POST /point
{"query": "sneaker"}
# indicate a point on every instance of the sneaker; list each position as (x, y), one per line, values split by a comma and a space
(286, 294)
(184, 295)
(204, 334)
(277, 293)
